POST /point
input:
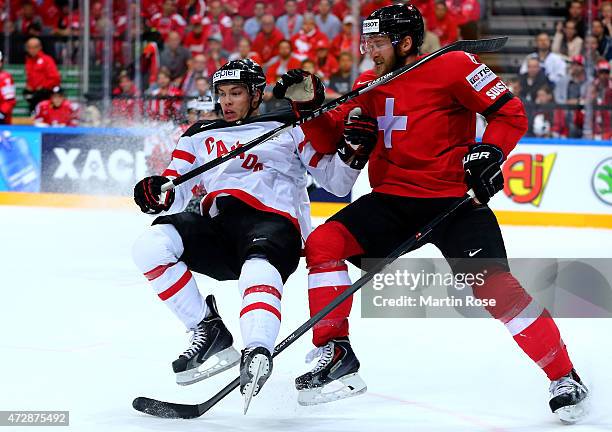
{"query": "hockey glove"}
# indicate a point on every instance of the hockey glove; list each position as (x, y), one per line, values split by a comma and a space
(482, 166)
(358, 140)
(149, 197)
(304, 91)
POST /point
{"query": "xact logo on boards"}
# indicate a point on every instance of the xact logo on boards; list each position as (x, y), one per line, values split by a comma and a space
(602, 181)
(526, 176)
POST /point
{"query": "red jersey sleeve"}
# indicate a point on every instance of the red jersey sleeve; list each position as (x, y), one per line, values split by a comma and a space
(479, 89)
(325, 131)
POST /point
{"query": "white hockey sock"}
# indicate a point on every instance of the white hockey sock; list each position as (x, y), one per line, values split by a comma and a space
(156, 253)
(261, 287)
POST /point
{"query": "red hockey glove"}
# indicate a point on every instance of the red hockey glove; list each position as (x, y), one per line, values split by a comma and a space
(304, 91)
(358, 140)
(149, 197)
(482, 166)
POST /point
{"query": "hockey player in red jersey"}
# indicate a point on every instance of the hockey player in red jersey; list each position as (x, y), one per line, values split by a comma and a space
(56, 111)
(426, 158)
(254, 215)
(7, 94)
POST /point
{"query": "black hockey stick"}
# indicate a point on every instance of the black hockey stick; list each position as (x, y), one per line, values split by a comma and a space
(186, 411)
(471, 46)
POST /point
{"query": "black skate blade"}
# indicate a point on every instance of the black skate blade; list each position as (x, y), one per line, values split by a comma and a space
(163, 409)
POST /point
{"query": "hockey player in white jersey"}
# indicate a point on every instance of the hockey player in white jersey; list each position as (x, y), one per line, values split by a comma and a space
(255, 216)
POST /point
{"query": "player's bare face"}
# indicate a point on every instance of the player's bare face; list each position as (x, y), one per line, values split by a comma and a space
(235, 101)
(381, 51)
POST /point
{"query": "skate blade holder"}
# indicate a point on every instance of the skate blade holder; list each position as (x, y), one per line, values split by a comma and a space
(573, 414)
(345, 387)
(217, 363)
(259, 368)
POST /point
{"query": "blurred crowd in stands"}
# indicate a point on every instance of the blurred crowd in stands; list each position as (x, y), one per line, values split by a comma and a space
(185, 41)
(569, 68)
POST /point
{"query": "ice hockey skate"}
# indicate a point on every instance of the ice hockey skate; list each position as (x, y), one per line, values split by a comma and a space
(211, 349)
(334, 377)
(568, 398)
(255, 368)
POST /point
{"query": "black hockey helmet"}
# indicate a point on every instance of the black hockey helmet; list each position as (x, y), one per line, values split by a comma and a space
(243, 71)
(396, 21)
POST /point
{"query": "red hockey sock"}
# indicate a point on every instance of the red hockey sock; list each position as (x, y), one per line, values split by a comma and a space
(326, 247)
(530, 324)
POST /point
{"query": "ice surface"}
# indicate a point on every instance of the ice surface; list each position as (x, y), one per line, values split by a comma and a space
(82, 331)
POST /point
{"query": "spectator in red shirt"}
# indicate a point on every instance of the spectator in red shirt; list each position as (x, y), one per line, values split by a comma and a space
(282, 63)
(165, 104)
(28, 23)
(7, 94)
(57, 111)
(189, 8)
(67, 23)
(244, 51)
(47, 10)
(305, 41)
(150, 8)
(326, 64)
(149, 59)
(341, 9)
(443, 24)
(371, 5)
(215, 19)
(602, 95)
(127, 105)
(266, 42)
(168, 20)
(425, 7)
(195, 40)
(275, 7)
(232, 36)
(41, 74)
(66, 26)
(467, 15)
(345, 39)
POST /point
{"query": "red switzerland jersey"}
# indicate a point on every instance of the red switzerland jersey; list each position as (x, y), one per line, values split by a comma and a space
(48, 115)
(427, 121)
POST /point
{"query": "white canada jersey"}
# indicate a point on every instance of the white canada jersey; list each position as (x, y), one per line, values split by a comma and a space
(270, 177)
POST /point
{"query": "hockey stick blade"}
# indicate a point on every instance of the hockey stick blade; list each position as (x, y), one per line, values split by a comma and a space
(471, 46)
(173, 410)
(163, 409)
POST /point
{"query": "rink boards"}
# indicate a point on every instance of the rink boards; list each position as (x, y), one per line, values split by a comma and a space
(557, 182)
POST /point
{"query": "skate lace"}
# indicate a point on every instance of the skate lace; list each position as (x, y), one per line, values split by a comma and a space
(326, 352)
(198, 339)
(564, 385)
